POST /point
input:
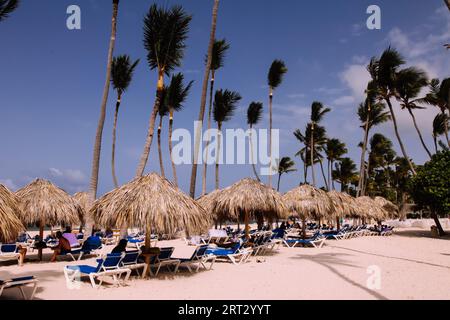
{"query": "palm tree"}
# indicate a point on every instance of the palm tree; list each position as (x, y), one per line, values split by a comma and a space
(285, 165)
(439, 124)
(447, 2)
(409, 83)
(318, 111)
(371, 113)
(438, 97)
(345, 173)
(275, 77)
(7, 7)
(254, 114)
(384, 76)
(177, 94)
(334, 151)
(218, 56)
(93, 184)
(303, 153)
(224, 107)
(165, 33)
(201, 115)
(121, 75)
(163, 110)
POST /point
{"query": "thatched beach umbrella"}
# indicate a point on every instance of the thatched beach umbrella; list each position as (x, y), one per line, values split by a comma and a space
(42, 203)
(308, 202)
(388, 206)
(151, 203)
(249, 198)
(344, 205)
(10, 225)
(207, 202)
(370, 209)
(82, 199)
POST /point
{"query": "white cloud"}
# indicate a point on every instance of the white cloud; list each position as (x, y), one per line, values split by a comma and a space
(72, 180)
(356, 77)
(344, 101)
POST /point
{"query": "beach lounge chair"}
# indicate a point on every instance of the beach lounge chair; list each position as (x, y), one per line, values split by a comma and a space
(72, 238)
(92, 245)
(106, 266)
(19, 283)
(9, 252)
(217, 236)
(317, 241)
(131, 261)
(236, 254)
(198, 259)
(164, 259)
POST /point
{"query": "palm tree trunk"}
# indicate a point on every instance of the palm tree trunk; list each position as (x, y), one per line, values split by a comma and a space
(161, 163)
(279, 180)
(219, 137)
(201, 115)
(400, 142)
(174, 168)
(113, 155)
(435, 144)
(323, 174)
(251, 154)
(446, 127)
(363, 157)
(205, 165)
(437, 222)
(419, 133)
(329, 174)
(151, 127)
(312, 156)
(93, 185)
(270, 134)
(332, 180)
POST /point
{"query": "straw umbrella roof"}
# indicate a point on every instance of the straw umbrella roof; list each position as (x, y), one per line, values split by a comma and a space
(83, 200)
(152, 203)
(388, 206)
(207, 202)
(309, 202)
(10, 225)
(344, 204)
(43, 202)
(368, 208)
(250, 197)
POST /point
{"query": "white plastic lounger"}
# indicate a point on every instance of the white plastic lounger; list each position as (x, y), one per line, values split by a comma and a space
(19, 283)
(316, 243)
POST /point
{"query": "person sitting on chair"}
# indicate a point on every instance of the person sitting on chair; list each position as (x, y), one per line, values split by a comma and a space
(63, 246)
(121, 247)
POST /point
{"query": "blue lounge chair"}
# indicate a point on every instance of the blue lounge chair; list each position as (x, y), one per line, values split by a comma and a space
(164, 259)
(107, 266)
(92, 245)
(198, 258)
(236, 254)
(317, 241)
(131, 261)
(19, 283)
(9, 252)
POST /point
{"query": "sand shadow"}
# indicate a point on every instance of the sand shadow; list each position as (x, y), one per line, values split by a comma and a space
(419, 234)
(327, 260)
(392, 257)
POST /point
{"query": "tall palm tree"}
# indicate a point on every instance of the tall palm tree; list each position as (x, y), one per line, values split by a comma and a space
(438, 97)
(345, 173)
(285, 165)
(275, 77)
(93, 184)
(254, 114)
(201, 115)
(225, 103)
(177, 94)
(7, 7)
(303, 153)
(318, 111)
(408, 84)
(439, 124)
(218, 56)
(121, 75)
(371, 113)
(165, 33)
(334, 151)
(384, 76)
(163, 110)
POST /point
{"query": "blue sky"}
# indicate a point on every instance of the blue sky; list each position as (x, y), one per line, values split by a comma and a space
(52, 78)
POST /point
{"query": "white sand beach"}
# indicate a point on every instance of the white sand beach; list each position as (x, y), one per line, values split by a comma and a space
(413, 266)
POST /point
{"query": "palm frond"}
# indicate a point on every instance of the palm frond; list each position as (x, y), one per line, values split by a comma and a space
(177, 92)
(7, 7)
(122, 72)
(277, 71)
(225, 103)
(220, 49)
(254, 113)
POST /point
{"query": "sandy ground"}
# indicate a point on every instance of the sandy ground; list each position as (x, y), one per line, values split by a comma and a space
(412, 265)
